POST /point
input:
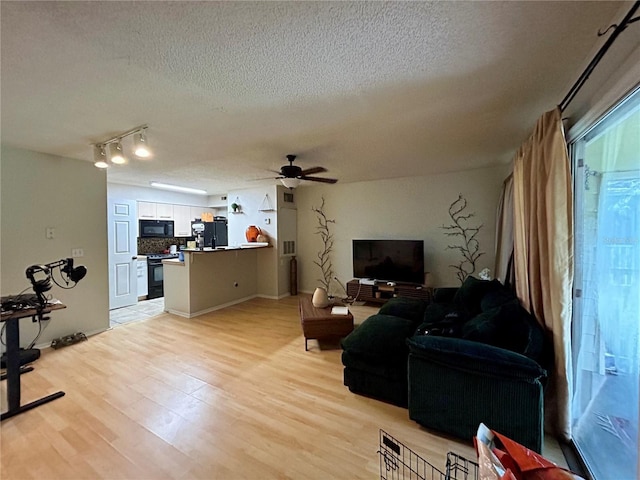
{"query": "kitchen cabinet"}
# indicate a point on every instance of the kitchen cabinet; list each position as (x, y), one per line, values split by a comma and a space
(182, 215)
(182, 220)
(164, 211)
(141, 272)
(155, 211)
(147, 210)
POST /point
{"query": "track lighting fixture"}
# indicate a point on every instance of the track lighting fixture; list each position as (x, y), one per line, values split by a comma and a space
(116, 151)
(100, 156)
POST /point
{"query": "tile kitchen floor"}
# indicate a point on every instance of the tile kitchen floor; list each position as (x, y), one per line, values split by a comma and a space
(140, 311)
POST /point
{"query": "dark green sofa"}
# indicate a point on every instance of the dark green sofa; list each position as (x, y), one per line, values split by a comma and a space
(472, 355)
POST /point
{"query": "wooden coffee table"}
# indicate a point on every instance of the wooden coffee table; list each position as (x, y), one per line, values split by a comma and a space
(320, 323)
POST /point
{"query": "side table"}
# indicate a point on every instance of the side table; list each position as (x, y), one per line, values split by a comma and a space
(320, 323)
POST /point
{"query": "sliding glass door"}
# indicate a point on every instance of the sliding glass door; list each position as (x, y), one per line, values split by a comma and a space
(606, 325)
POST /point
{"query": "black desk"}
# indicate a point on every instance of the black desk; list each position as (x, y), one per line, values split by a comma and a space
(13, 360)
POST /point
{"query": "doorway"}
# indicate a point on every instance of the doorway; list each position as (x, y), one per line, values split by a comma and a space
(121, 218)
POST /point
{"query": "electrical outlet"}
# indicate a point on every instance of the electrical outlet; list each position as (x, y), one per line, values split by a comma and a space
(77, 252)
(50, 233)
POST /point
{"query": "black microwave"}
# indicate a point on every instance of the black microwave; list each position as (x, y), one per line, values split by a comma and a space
(156, 228)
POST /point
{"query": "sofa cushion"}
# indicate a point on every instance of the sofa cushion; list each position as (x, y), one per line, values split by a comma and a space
(472, 291)
(404, 307)
(443, 317)
(380, 337)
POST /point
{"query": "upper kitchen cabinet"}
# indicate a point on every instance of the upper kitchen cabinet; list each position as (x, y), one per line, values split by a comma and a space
(147, 210)
(155, 211)
(182, 220)
(164, 211)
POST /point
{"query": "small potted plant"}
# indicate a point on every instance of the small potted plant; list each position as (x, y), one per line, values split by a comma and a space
(235, 207)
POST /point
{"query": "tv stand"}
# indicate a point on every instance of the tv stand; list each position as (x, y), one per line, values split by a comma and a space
(380, 293)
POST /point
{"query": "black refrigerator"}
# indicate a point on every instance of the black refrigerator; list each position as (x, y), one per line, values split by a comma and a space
(214, 233)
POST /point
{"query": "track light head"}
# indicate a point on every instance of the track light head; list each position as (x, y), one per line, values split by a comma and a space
(141, 146)
(116, 153)
(100, 156)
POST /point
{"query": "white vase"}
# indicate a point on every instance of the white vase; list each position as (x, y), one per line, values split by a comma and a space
(320, 298)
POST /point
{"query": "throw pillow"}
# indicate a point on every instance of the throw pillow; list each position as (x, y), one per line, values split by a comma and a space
(471, 292)
(507, 326)
(497, 298)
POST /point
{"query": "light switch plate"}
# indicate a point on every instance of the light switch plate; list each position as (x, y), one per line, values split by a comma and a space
(50, 233)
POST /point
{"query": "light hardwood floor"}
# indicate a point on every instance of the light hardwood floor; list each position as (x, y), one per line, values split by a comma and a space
(227, 395)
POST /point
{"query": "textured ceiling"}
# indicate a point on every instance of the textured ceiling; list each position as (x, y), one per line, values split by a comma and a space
(369, 90)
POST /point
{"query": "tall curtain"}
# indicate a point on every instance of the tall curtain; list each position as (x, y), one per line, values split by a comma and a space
(504, 234)
(543, 252)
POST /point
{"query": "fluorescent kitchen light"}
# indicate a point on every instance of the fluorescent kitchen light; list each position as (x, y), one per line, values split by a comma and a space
(178, 188)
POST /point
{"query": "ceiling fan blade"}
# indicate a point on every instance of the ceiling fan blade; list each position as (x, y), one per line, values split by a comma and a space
(319, 179)
(312, 170)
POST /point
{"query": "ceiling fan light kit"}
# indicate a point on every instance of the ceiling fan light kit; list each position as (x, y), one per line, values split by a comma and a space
(116, 152)
(291, 175)
(290, 182)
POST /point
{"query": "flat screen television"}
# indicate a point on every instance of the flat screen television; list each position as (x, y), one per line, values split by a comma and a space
(389, 260)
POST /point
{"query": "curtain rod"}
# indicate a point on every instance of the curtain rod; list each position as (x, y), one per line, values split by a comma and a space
(596, 59)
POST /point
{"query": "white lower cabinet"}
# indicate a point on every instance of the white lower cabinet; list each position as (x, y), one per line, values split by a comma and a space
(143, 285)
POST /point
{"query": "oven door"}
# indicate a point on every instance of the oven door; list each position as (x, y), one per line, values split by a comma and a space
(156, 279)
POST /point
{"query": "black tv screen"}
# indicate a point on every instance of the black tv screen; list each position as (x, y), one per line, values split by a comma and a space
(389, 260)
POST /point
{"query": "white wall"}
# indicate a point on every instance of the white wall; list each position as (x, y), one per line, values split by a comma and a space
(39, 191)
(251, 201)
(412, 208)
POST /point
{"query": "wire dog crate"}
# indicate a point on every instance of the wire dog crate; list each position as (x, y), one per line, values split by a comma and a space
(399, 462)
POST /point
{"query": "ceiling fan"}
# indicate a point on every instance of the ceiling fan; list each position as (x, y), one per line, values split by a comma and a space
(290, 175)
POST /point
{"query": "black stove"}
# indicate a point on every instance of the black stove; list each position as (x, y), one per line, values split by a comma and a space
(155, 273)
(161, 256)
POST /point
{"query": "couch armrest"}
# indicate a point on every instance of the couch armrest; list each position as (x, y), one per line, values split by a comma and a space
(475, 357)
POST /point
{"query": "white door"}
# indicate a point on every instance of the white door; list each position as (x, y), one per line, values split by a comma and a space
(123, 288)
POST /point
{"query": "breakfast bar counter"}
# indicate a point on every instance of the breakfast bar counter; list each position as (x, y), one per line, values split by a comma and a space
(211, 279)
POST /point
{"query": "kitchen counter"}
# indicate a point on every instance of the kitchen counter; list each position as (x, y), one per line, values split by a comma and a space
(211, 279)
(242, 246)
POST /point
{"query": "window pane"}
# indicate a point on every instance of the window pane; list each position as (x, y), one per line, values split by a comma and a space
(606, 340)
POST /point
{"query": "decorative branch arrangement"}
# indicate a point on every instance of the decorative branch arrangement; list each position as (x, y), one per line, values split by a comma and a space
(469, 247)
(324, 258)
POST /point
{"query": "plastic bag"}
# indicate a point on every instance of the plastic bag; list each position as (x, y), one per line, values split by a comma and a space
(500, 458)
